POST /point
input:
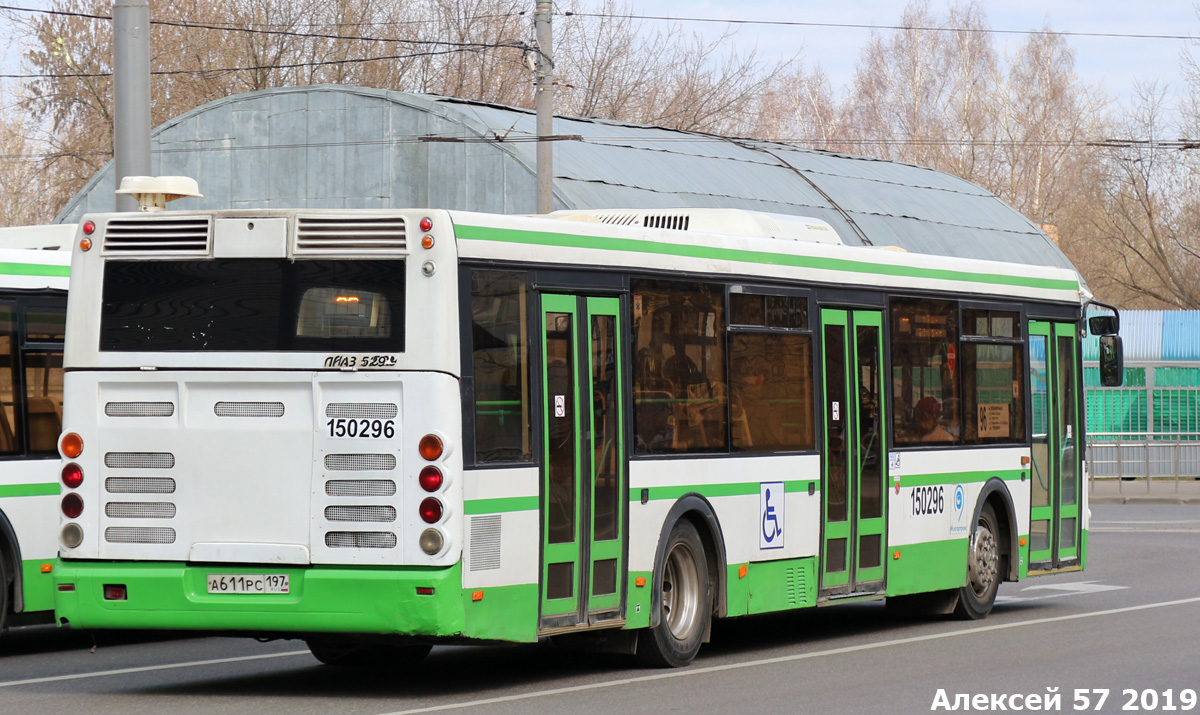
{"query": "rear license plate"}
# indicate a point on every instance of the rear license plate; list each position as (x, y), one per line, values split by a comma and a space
(248, 583)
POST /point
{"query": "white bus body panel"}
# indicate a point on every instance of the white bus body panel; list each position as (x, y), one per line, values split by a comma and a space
(252, 486)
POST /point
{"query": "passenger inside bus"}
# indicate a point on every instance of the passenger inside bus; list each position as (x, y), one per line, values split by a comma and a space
(928, 413)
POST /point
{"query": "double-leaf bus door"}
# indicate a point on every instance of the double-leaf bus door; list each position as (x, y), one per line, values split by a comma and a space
(584, 472)
(1055, 528)
(854, 492)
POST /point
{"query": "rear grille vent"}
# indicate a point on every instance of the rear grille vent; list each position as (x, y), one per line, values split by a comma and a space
(360, 513)
(362, 410)
(139, 409)
(139, 535)
(485, 542)
(178, 235)
(360, 488)
(360, 462)
(360, 540)
(248, 409)
(678, 222)
(350, 234)
(139, 510)
(139, 460)
(139, 485)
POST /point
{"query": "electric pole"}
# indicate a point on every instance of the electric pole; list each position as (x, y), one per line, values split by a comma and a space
(544, 70)
(131, 93)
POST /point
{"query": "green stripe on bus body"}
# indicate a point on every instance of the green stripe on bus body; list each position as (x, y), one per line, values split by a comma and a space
(34, 269)
(717, 490)
(606, 243)
(492, 506)
(30, 490)
(930, 480)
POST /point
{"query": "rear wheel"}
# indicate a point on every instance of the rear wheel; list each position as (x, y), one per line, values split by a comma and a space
(351, 653)
(975, 600)
(5, 590)
(684, 610)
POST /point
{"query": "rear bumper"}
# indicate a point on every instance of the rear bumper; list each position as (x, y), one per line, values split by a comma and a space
(321, 599)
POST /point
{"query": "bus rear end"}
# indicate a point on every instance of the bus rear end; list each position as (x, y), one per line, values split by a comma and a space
(262, 433)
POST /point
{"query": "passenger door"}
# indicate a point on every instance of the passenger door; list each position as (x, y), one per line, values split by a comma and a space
(1055, 528)
(584, 473)
(854, 492)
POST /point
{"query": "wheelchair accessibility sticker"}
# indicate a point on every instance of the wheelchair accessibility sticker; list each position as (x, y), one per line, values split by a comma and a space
(770, 507)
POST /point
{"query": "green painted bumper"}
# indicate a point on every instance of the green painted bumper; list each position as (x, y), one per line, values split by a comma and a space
(321, 599)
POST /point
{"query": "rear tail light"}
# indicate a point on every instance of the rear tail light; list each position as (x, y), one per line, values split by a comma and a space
(71, 536)
(430, 479)
(72, 505)
(115, 592)
(431, 447)
(431, 510)
(426, 224)
(432, 541)
(72, 445)
(72, 475)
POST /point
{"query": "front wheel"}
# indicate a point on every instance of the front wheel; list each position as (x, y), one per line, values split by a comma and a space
(685, 608)
(975, 600)
(5, 590)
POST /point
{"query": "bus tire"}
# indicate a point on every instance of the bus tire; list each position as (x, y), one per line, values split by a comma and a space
(6, 587)
(685, 607)
(976, 598)
(349, 653)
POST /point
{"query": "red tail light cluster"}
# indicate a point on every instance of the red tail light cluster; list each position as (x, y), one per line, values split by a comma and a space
(71, 446)
(431, 479)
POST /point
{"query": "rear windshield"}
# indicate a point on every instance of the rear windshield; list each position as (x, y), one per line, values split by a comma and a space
(253, 304)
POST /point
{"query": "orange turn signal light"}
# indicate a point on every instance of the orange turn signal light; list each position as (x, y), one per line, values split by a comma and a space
(430, 447)
(743, 570)
(477, 595)
(72, 445)
(640, 581)
(895, 555)
(47, 568)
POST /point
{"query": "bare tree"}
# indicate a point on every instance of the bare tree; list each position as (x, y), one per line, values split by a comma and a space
(1147, 225)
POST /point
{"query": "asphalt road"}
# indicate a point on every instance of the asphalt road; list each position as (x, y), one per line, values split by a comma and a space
(1128, 623)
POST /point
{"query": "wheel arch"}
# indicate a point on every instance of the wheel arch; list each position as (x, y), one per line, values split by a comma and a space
(995, 492)
(701, 514)
(11, 549)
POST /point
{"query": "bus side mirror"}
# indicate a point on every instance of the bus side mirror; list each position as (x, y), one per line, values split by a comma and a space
(1103, 325)
(1112, 361)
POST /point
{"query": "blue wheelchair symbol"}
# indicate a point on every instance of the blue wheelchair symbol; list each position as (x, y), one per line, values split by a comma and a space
(770, 518)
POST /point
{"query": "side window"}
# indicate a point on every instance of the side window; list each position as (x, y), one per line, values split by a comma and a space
(770, 374)
(43, 376)
(500, 366)
(10, 435)
(925, 364)
(993, 377)
(679, 392)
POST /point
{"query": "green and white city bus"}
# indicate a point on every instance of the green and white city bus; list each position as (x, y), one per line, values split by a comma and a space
(380, 430)
(33, 304)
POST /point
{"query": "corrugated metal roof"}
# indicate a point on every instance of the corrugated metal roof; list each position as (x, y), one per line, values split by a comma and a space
(350, 147)
(1154, 336)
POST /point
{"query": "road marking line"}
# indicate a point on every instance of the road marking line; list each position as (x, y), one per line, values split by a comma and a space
(146, 668)
(787, 658)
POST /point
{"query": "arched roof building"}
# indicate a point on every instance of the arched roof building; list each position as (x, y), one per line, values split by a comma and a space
(352, 147)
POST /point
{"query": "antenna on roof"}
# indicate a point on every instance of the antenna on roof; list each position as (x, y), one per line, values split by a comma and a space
(153, 192)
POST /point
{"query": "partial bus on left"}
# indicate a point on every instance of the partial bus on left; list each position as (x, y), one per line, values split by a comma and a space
(33, 306)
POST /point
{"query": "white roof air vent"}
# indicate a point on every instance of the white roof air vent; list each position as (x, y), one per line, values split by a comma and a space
(153, 192)
(734, 222)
